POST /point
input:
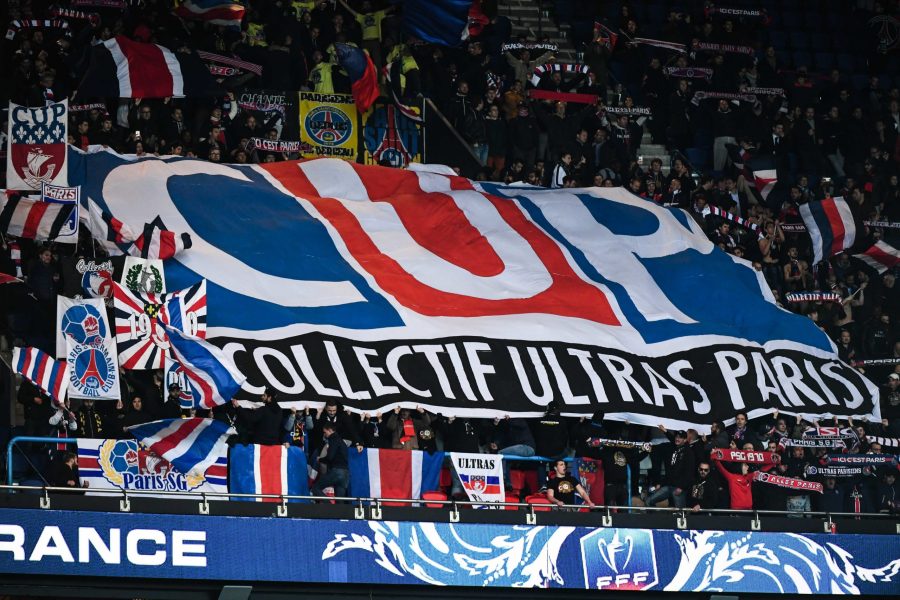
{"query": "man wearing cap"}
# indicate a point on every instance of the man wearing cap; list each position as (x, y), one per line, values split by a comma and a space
(333, 467)
(172, 406)
(265, 422)
(679, 473)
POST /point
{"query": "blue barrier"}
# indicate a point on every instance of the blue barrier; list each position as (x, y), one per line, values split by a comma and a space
(24, 438)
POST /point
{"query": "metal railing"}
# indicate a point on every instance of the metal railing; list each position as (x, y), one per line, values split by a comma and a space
(369, 508)
(23, 438)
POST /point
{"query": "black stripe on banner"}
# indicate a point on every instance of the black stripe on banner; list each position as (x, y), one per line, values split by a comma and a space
(101, 79)
(65, 211)
(12, 201)
(198, 81)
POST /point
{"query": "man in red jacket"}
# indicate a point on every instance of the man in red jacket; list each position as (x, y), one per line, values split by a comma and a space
(739, 484)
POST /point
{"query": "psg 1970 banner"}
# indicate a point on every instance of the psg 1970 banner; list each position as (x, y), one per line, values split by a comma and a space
(382, 287)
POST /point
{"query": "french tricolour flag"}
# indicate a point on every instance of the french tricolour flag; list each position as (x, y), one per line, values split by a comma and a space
(394, 473)
(123, 68)
(189, 444)
(217, 12)
(42, 370)
(211, 374)
(257, 469)
(880, 256)
(831, 226)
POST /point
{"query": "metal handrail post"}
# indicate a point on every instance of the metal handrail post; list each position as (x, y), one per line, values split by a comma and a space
(25, 438)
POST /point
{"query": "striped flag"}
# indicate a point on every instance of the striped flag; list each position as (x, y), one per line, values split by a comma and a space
(31, 218)
(212, 375)
(217, 12)
(765, 181)
(191, 445)
(117, 238)
(4, 278)
(42, 370)
(880, 256)
(394, 473)
(831, 226)
(123, 68)
(257, 469)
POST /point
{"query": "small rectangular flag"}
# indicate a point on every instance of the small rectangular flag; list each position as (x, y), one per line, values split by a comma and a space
(880, 256)
(481, 475)
(361, 71)
(257, 469)
(60, 194)
(213, 376)
(191, 445)
(42, 370)
(441, 22)
(216, 12)
(84, 337)
(765, 181)
(123, 68)
(401, 474)
(36, 146)
(143, 275)
(155, 242)
(831, 226)
(31, 218)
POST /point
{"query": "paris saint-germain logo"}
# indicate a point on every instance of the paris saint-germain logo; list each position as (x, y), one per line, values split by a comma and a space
(328, 125)
(92, 373)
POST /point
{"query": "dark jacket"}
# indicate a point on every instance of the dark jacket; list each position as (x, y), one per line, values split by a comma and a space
(680, 469)
(265, 424)
(552, 436)
(705, 493)
(461, 435)
(336, 455)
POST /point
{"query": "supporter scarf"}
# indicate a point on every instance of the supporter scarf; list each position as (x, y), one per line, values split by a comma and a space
(746, 223)
(793, 227)
(88, 107)
(17, 24)
(865, 460)
(660, 44)
(595, 442)
(873, 362)
(541, 70)
(787, 482)
(689, 72)
(529, 46)
(829, 432)
(884, 441)
(624, 110)
(107, 3)
(238, 64)
(753, 456)
(836, 471)
(70, 13)
(820, 442)
(728, 13)
(730, 48)
(763, 91)
(721, 96)
(277, 145)
(800, 227)
(218, 71)
(812, 297)
(409, 431)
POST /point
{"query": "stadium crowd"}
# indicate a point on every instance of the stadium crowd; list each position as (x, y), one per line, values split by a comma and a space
(822, 130)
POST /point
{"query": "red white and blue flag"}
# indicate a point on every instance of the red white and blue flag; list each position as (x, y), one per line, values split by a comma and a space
(276, 470)
(394, 473)
(212, 375)
(42, 370)
(155, 242)
(880, 256)
(191, 445)
(216, 12)
(831, 226)
(481, 475)
(32, 218)
(361, 71)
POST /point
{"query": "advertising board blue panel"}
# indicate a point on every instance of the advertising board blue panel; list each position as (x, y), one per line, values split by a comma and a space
(381, 552)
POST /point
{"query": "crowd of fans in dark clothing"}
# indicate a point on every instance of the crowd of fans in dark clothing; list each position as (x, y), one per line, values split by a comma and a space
(824, 137)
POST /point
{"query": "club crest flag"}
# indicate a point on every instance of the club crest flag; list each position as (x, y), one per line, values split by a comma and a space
(140, 335)
(88, 349)
(379, 286)
(128, 465)
(146, 276)
(36, 146)
(59, 194)
(389, 135)
(481, 475)
(174, 372)
(328, 126)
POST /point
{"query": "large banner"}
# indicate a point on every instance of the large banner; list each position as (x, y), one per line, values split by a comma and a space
(191, 547)
(328, 125)
(391, 137)
(36, 146)
(277, 109)
(84, 339)
(127, 465)
(384, 287)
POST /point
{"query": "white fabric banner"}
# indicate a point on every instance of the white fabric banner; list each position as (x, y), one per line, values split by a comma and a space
(481, 475)
(36, 146)
(144, 275)
(87, 345)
